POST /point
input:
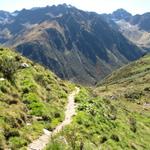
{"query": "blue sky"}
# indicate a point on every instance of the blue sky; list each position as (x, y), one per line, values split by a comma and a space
(100, 6)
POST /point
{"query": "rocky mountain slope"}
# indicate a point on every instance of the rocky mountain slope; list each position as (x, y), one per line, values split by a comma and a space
(76, 45)
(114, 115)
(31, 98)
(136, 28)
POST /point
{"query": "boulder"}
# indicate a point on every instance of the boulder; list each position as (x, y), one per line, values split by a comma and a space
(24, 65)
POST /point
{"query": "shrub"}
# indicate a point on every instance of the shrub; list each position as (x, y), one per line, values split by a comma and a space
(46, 118)
(3, 88)
(115, 137)
(8, 66)
(1, 49)
(147, 89)
(12, 101)
(29, 98)
(17, 143)
(54, 145)
(2, 142)
(18, 58)
(40, 78)
(10, 132)
(11, 120)
(57, 115)
(37, 108)
(132, 124)
(103, 139)
(133, 95)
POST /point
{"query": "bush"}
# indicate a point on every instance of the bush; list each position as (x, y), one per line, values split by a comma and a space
(57, 115)
(17, 143)
(133, 124)
(115, 137)
(30, 98)
(133, 95)
(54, 145)
(103, 139)
(2, 142)
(46, 118)
(18, 58)
(147, 89)
(40, 78)
(10, 132)
(3, 88)
(37, 108)
(8, 67)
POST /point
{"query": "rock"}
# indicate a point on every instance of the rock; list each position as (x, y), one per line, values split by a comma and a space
(36, 118)
(48, 88)
(112, 117)
(2, 79)
(113, 97)
(133, 146)
(24, 65)
(28, 124)
(146, 104)
(46, 132)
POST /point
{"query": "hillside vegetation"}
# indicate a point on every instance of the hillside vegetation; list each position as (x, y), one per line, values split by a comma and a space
(31, 98)
(113, 116)
(131, 82)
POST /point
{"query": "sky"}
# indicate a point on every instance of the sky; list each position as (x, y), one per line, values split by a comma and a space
(99, 6)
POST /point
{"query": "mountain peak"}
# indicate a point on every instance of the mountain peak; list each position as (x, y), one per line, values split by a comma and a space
(121, 14)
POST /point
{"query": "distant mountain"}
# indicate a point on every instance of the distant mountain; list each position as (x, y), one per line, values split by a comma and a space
(135, 28)
(121, 14)
(143, 21)
(76, 45)
(4, 15)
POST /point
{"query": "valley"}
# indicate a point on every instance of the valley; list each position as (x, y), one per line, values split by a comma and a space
(77, 45)
(74, 80)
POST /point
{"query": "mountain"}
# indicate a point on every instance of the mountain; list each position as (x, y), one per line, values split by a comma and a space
(4, 16)
(136, 28)
(143, 21)
(121, 14)
(114, 115)
(31, 98)
(76, 45)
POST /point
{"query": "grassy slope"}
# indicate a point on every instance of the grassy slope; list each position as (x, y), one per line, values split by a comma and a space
(115, 116)
(31, 99)
(131, 82)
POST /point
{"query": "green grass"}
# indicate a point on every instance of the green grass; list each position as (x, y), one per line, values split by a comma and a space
(113, 115)
(101, 123)
(32, 95)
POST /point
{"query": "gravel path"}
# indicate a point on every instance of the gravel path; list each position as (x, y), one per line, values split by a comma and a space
(43, 140)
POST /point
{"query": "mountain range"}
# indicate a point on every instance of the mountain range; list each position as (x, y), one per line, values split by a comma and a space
(134, 27)
(39, 110)
(79, 46)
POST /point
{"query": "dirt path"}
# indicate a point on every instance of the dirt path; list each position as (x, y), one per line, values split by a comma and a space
(43, 140)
